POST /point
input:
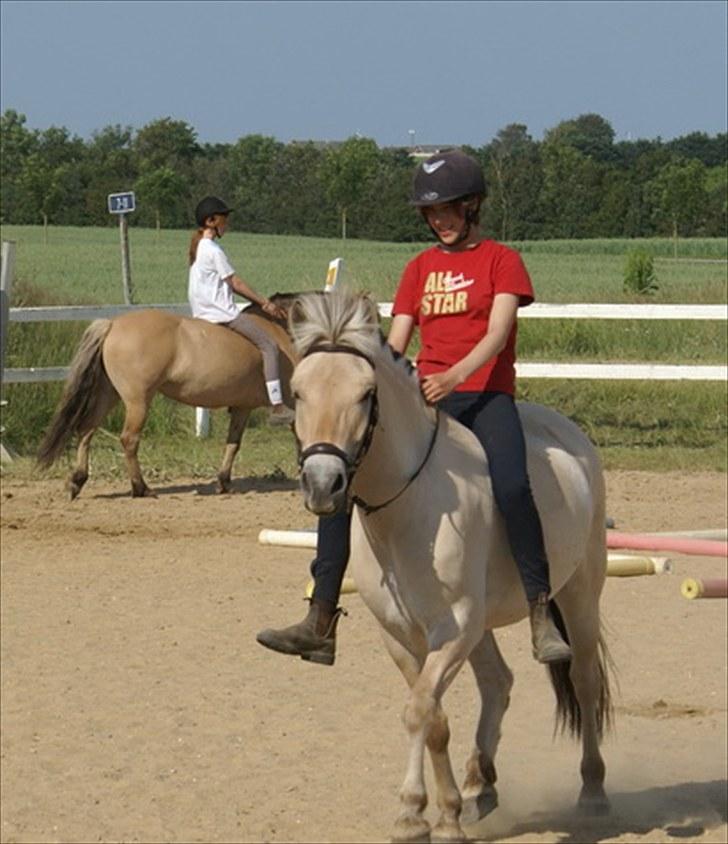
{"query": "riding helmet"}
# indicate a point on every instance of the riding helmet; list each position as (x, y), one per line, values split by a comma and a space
(208, 207)
(447, 176)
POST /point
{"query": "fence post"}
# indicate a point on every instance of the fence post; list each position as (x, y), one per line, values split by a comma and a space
(7, 270)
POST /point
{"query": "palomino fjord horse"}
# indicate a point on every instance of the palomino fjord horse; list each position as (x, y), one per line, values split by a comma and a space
(138, 354)
(429, 553)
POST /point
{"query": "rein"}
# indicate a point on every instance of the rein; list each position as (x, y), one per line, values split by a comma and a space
(352, 464)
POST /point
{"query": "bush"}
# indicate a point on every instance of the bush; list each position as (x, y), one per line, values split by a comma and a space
(639, 273)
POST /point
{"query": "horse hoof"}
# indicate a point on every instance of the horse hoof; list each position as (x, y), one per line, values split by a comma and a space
(596, 804)
(476, 808)
(448, 833)
(142, 492)
(411, 831)
(223, 486)
(75, 483)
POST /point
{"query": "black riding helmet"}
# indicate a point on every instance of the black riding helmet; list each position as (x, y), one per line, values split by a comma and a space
(208, 207)
(445, 177)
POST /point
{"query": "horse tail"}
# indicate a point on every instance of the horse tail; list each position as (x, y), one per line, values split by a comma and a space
(81, 395)
(568, 713)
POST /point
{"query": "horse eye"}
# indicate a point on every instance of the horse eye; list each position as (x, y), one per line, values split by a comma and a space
(295, 395)
(367, 396)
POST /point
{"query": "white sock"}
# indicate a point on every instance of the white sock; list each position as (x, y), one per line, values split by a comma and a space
(275, 394)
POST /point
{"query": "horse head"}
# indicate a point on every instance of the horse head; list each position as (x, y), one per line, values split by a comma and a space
(338, 339)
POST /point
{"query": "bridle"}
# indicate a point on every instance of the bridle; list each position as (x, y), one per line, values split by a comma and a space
(353, 463)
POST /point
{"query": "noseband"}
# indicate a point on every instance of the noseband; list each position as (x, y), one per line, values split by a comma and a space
(353, 463)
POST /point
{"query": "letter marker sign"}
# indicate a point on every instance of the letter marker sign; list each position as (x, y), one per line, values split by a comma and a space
(123, 204)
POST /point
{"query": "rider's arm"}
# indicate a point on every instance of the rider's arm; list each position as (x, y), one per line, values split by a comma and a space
(242, 288)
(502, 317)
(400, 332)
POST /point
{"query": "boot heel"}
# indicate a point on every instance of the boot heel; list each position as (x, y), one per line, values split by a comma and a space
(319, 657)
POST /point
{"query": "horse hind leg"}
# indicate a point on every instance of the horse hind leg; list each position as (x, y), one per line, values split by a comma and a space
(238, 420)
(588, 682)
(136, 415)
(494, 680)
(79, 476)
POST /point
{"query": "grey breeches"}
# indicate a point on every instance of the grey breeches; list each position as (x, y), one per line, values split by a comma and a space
(243, 324)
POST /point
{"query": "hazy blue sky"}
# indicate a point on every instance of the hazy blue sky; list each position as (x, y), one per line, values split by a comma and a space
(454, 72)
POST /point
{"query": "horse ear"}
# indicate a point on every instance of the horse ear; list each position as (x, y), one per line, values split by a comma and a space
(372, 309)
(296, 312)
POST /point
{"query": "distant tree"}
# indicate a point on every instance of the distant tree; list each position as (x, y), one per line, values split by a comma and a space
(679, 198)
(513, 173)
(699, 145)
(590, 134)
(347, 171)
(110, 167)
(48, 182)
(716, 188)
(571, 192)
(163, 190)
(16, 144)
(166, 143)
(253, 161)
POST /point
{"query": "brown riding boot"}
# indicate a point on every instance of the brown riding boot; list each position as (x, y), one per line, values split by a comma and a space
(313, 639)
(548, 643)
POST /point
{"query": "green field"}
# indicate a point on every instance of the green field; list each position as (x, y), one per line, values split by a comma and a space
(659, 425)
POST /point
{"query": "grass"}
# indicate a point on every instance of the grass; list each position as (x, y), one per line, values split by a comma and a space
(658, 425)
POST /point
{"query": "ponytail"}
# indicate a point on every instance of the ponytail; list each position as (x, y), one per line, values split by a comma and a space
(196, 238)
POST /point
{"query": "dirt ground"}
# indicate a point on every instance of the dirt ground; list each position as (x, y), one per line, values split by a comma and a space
(137, 706)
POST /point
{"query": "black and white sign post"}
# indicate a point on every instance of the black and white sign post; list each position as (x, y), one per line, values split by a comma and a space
(123, 204)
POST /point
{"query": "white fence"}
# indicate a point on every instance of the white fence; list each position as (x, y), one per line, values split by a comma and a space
(590, 371)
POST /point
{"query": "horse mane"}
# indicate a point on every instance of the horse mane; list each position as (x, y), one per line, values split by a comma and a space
(341, 318)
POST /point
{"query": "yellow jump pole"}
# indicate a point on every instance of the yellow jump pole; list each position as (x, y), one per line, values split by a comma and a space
(625, 565)
(693, 588)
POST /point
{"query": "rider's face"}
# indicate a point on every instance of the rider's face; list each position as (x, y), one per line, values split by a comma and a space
(447, 220)
(218, 222)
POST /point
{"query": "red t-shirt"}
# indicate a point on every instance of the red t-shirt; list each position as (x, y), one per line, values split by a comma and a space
(450, 296)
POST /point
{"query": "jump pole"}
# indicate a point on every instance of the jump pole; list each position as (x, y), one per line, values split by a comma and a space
(678, 545)
(627, 565)
(693, 588)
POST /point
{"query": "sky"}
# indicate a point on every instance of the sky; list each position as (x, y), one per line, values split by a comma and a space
(398, 72)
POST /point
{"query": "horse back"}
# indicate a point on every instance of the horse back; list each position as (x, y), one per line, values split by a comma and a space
(190, 360)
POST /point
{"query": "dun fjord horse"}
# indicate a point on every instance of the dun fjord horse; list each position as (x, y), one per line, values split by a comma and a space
(429, 553)
(134, 356)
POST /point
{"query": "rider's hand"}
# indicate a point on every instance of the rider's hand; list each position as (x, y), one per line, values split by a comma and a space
(273, 310)
(436, 387)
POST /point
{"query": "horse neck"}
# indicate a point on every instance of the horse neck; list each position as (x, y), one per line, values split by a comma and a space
(401, 438)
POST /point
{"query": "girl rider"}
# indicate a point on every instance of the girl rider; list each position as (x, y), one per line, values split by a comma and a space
(463, 295)
(212, 281)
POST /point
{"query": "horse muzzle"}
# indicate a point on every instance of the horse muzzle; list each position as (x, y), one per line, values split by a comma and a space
(324, 480)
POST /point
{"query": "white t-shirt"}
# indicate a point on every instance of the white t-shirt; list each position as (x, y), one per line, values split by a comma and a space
(211, 298)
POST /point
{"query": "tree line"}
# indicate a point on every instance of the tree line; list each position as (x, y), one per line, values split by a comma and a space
(575, 183)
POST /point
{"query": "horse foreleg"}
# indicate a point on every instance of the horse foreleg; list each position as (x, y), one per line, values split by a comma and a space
(236, 428)
(411, 824)
(426, 725)
(495, 681)
(136, 415)
(436, 740)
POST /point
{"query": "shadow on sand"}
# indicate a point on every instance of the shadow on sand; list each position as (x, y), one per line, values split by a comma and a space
(241, 486)
(683, 811)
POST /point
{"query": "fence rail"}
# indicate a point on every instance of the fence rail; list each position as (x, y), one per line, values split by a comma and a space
(588, 371)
